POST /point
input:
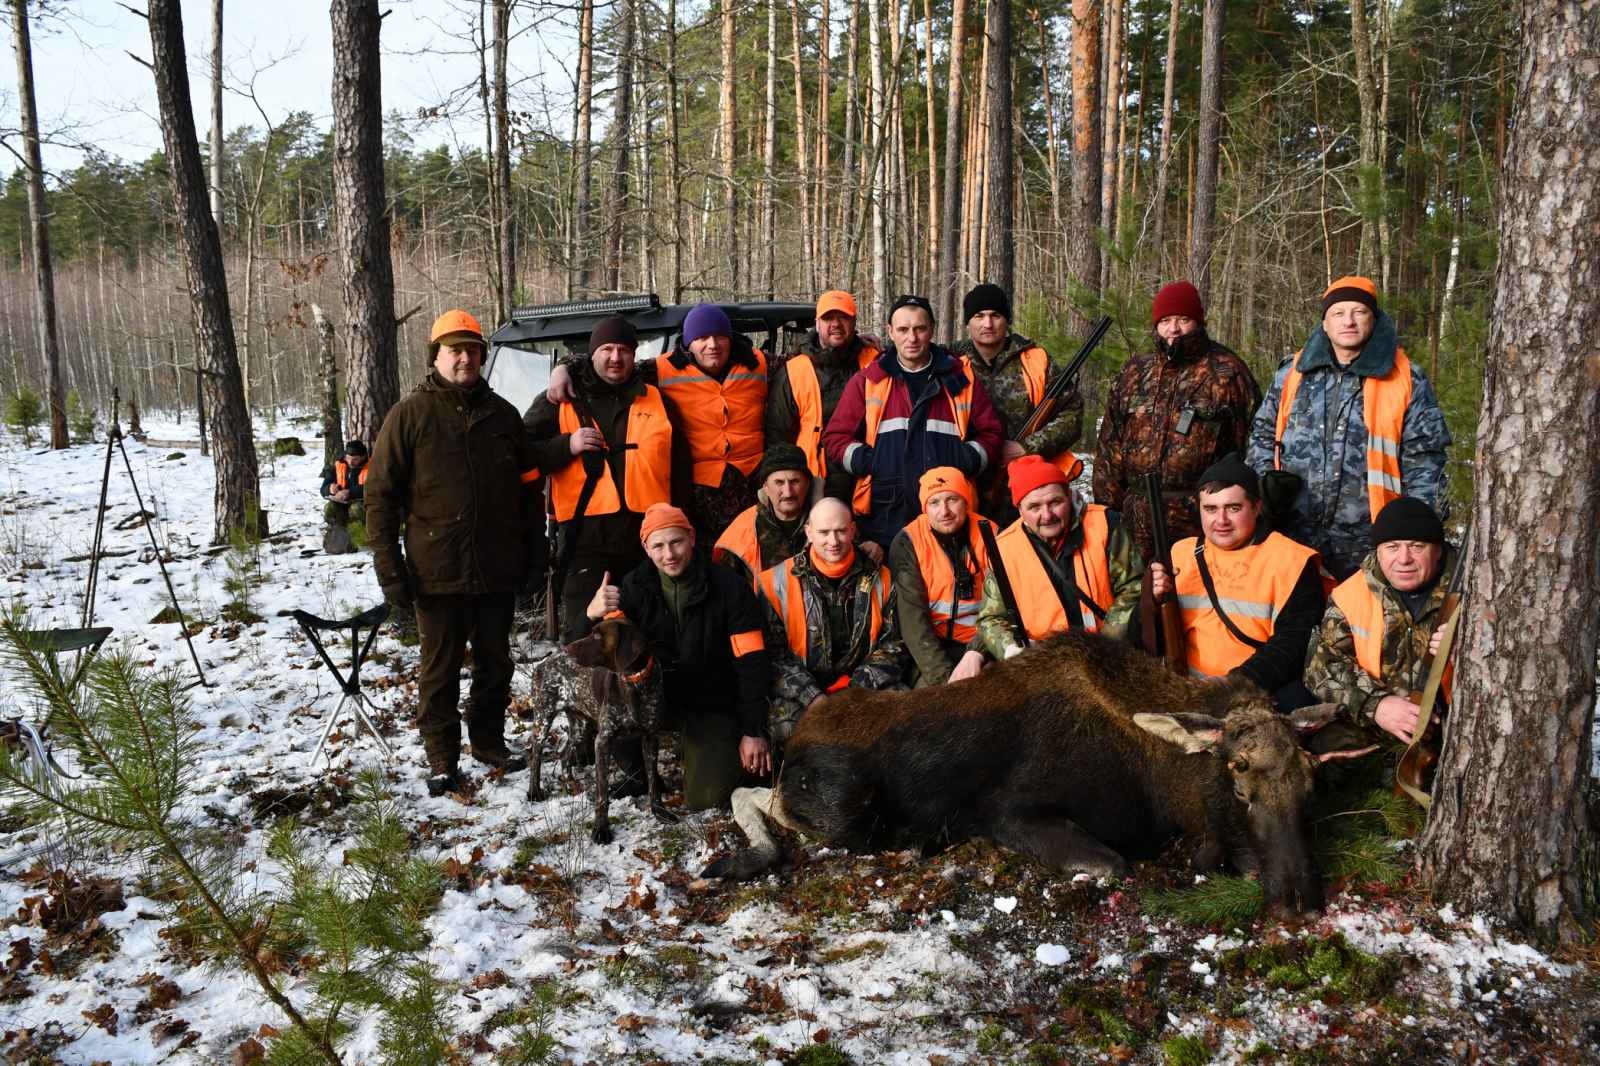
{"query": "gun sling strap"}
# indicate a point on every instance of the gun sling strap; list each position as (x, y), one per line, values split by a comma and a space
(1008, 596)
(594, 464)
(1216, 604)
(1065, 584)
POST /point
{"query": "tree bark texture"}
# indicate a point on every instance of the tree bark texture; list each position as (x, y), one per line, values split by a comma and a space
(238, 492)
(1205, 195)
(44, 280)
(728, 123)
(1163, 165)
(372, 378)
(1509, 823)
(216, 112)
(502, 158)
(582, 211)
(1000, 222)
(1084, 253)
(1370, 175)
(332, 419)
(948, 278)
(622, 130)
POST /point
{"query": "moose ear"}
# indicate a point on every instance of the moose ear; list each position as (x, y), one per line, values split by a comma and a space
(1311, 719)
(1193, 733)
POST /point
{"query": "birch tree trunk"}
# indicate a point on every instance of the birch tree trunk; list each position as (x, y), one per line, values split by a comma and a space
(1084, 264)
(948, 277)
(372, 376)
(1509, 823)
(728, 125)
(238, 491)
(875, 132)
(1203, 226)
(44, 279)
(1000, 223)
(216, 112)
(769, 159)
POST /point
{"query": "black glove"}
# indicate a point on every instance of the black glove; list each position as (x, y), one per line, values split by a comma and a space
(399, 594)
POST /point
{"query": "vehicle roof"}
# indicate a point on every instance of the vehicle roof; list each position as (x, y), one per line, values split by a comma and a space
(554, 322)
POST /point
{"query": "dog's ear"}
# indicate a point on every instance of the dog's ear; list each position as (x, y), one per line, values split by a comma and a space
(632, 649)
(591, 651)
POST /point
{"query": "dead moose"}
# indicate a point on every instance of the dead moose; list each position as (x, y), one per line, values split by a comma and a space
(1082, 752)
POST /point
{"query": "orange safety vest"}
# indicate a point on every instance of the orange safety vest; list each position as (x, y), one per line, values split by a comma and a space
(341, 475)
(1253, 583)
(1042, 612)
(940, 578)
(1035, 375)
(723, 419)
(1363, 612)
(1384, 401)
(782, 589)
(740, 539)
(647, 469)
(877, 397)
(807, 392)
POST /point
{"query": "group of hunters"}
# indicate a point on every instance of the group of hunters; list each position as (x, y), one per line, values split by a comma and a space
(867, 513)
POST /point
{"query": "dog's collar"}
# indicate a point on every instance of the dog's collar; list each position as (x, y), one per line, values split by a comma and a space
(642, 673)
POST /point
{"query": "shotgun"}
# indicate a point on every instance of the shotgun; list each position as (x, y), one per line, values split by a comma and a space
(1174, 642)
(1064, 382)
(1417, 763)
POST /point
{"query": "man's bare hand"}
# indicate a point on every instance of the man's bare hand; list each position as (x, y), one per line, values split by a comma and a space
(1012, 450)
(1398, 716)
(1435, 640)
(1160, 582)
(607, 598)
(586, 439)
(560, 388)
(755, 756)
(970, 664)
(872, 550)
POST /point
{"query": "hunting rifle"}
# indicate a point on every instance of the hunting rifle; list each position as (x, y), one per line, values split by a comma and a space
(1174, 644)
(1418, 760)
(1056, 390)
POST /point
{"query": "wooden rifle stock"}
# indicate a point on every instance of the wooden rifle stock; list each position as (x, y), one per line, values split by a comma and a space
(1420, 756)
(1174, 640)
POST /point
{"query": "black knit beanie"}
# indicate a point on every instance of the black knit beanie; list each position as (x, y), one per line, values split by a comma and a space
(782, 456)
(986, 297)
(1407, 518)
(613, 329)
(1229, 471)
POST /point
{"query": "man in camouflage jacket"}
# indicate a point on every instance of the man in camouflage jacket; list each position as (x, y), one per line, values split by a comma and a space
(1174, 411)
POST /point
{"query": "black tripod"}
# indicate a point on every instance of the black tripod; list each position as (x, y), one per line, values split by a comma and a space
(114, 442)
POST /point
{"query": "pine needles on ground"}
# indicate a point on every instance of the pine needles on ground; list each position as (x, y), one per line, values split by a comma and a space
(1215, 901)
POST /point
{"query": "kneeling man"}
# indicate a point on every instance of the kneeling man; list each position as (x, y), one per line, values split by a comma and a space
(830, 620)
(774, 527)
(1376, 632)
(939, 563)
(1250, 597)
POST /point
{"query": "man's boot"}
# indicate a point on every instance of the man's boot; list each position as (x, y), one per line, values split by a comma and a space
(497, 756)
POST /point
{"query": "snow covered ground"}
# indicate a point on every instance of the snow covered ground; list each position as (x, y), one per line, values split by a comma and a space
(970, 956)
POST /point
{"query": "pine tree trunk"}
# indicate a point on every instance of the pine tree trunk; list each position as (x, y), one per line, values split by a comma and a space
(238, 492)
(802, 143)
(39, 230)
(1205, 195)
(769, 159)
(1084, 267)
(502, 159)
(582, 214)
(932, 244)
(823, 239)
(950, 215)
(1000, 223)
(216, 113)
(1053, 149)
(372, 376)
(621, 129)
(1111, 119)
(674, 159)
(1163, 166)
(879, 304)
(1509, 824)
(332, 420)
(1367, 95)
(728, 123)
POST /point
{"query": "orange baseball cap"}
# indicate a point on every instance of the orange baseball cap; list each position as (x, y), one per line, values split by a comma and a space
(836, 300)
(455, 325)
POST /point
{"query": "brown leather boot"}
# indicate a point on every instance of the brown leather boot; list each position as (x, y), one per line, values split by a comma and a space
(499, 757)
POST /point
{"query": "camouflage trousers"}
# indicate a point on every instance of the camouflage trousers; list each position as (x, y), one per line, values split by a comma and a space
(335, 513)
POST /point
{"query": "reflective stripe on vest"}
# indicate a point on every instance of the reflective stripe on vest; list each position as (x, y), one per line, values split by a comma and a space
(940, 578)
(646, 469)
(722, 419)
(807, 391)
(1037, 602)
(1384, 401)
(877, 397)
(740, 539)
(1253, 584)
(341, 475)
(782, 589)
(1363, 612)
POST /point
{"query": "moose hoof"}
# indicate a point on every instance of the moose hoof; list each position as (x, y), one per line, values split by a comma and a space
(601, 834)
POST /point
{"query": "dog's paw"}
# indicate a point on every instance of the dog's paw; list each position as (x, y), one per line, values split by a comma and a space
(601, 834)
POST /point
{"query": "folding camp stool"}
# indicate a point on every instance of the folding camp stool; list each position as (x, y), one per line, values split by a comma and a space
(50, 644)
(371, 621)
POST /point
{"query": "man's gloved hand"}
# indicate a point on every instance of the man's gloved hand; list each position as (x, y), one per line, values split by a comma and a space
(399, 594)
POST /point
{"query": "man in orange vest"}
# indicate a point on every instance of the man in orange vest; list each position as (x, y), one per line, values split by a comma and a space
(1067, 568)
(343, 484)
(939, 563)
(1014, 372)
(830, 620)
(1250, 598)
(773, 528)
(1382, 620)
(803, 392)
(610, 449)
(1349, 424)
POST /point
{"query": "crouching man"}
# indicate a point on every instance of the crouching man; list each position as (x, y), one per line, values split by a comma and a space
(1381, 620)
(830, 620)
(704, 628)
(939, 563)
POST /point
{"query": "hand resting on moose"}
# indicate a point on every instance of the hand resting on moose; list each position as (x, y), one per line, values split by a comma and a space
(1081, 752)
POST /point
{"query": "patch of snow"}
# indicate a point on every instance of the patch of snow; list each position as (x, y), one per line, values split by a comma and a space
(1051, 954)
(1005, 904)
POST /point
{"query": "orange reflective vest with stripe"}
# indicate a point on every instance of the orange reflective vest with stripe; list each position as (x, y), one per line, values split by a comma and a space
(646, 469)
(782, 589)
(740, 539)
(807, 391)
(877, 396)
(1363, 612)
(722, 419)
(341, 475)
(953, 618)
(1383, 408)
(1041, 609)
(1253, 583)
(1035, 375)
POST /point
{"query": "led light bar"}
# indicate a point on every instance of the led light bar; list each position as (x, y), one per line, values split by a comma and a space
(611, 306)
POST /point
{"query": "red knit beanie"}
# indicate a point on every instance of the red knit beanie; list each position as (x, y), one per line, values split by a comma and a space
(1033, 472)
(1177, 298)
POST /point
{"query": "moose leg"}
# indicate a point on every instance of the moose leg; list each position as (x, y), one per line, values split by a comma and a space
(650, 744)
(1058, 842)
(751, 808)
(601, 834)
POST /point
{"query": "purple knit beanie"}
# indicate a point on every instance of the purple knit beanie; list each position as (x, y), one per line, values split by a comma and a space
(705, 320)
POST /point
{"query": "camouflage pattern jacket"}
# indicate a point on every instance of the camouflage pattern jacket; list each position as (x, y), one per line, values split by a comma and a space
(870, 665)
(775, 539)
(1332, 673)
(1008, 391)
(835, 367)
(1124, 564)
(1325, 442)
(1173, 414)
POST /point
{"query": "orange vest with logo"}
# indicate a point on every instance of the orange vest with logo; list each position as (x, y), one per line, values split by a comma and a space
(782, 589)
(877, 396)
(646, 469)
(722, 419)
(952, 618)
(1042, 612)
(740, 539)
(1035, 375)
(341, 475)
(1253, 583)
(1383, 408)
(807, 391)
(1363, 612)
